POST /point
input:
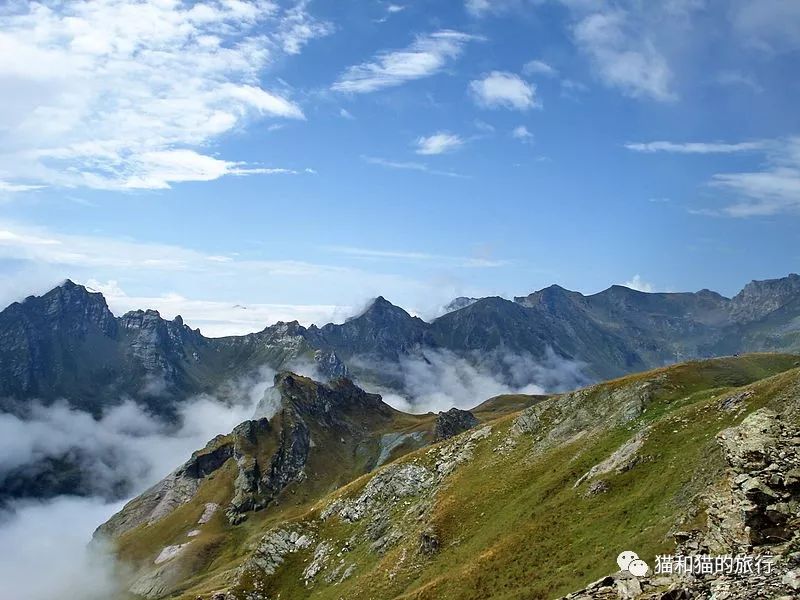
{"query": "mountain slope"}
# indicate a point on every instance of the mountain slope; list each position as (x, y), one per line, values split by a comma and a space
(532, 504)
(314, 439)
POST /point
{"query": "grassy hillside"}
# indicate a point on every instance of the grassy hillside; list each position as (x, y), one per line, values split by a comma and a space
(503, 511)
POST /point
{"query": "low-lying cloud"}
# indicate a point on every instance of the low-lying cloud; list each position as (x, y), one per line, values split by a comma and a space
(120, 454)
(436, 380)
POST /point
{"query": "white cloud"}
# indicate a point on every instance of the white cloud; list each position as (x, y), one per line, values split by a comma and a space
(538, 67)
(12, 188)
(772, 190)
(482, 8)
(125, 447)
(56, 534)
(477, 7)
(738, 79)
(439, 143)
(623, 57)
(222, 292)
(346, 114)
(409, 166)
(216, 318)
(96, 89)
(771, 25)
(428, 55)
(694, 147)
(395, 8)
(297, 28)
(451, 261)
(521, 133)
(438, 380)
(500, 89)
(637, 283)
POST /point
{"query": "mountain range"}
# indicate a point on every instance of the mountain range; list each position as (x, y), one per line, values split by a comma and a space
(68, 345)
(326, 491)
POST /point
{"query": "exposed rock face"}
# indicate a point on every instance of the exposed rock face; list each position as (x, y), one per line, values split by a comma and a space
(453, 422)
(755, 511)
(170, 493)
(393, 482)
(759, 298)
(620, 461)
(258, 484)
(67, 344)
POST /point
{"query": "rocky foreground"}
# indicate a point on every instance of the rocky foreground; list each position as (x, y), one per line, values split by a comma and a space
(336, 495)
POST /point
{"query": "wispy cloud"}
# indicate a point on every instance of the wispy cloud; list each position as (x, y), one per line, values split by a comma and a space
(12, 188)
(738, 79)
(500, 89)
(427, 55)
(539, 67)
(438, 143)
(111, 84)
(452, 261)
(622, 57)
(217, 318)
(771, 190)
(695, 147)
(297, 27)
(410, 166)
(197, 284)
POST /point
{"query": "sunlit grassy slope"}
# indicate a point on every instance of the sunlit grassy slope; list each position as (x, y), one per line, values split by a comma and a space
(510, 522)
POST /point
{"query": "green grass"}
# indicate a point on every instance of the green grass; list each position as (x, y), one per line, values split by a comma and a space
(511, 524)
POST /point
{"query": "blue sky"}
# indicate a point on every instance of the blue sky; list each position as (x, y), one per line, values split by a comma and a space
(298, 158)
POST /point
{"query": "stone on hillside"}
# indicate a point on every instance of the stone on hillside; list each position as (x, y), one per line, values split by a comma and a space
(453, 422)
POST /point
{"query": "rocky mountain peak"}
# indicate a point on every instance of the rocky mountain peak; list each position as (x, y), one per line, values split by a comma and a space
(759, 298)
(459, 303)
(549, 297)
(70, 307)
(382, 310)
(337, 399)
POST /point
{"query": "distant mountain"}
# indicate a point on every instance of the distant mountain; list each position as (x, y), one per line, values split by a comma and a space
(67, 343)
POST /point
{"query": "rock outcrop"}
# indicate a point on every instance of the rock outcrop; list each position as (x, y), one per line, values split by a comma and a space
(754, 512)
(453, 422)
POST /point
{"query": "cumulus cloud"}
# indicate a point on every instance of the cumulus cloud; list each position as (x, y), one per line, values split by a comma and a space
(438, 143)
(427, 55)
(114, 94)
(500, 89)
(637, 283)
(437, 380)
